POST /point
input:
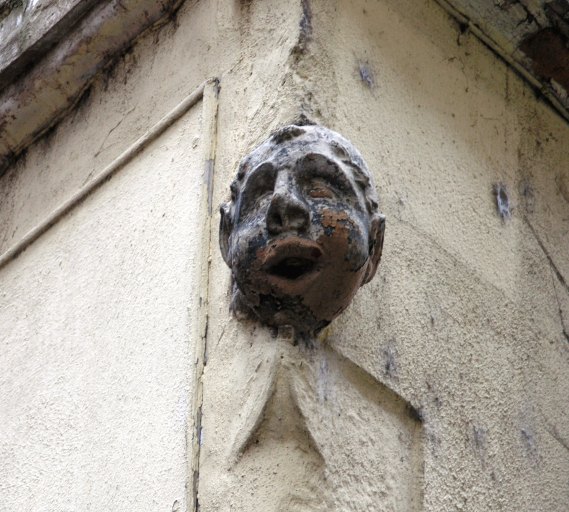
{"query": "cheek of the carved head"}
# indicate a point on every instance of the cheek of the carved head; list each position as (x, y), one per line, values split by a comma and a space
(247, 240)
(344, 233)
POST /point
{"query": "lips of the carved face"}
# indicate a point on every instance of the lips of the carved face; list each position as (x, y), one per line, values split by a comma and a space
(290, 254)
(291, 258)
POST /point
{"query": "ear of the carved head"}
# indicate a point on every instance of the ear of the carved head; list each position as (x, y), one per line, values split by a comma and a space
(225, 229)
(376, 234)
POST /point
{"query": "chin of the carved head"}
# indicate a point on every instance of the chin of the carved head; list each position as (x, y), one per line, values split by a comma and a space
(305, 293)
(275, 312)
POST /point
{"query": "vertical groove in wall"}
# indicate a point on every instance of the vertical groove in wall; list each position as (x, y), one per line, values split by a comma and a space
(199, 332)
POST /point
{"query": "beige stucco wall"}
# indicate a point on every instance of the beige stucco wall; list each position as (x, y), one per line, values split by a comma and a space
(465, 321)
(95, 413)
(470, 306)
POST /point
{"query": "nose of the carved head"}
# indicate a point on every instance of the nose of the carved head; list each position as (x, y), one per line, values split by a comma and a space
(287, 213)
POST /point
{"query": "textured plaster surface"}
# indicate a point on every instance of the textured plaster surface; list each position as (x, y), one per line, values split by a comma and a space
(96, 359)
(304, 429)
(467, 320)
(470, 310)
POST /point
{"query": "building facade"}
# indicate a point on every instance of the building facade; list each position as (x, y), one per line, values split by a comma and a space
(126, 382)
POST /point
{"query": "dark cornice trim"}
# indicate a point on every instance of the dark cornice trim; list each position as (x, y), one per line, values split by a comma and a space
(39, 98)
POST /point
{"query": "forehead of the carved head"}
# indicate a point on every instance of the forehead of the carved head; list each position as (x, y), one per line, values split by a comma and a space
(292, 142)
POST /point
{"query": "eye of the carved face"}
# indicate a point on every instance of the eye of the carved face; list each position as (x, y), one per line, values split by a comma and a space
(323, 178)
(259, 184)
(321, 189)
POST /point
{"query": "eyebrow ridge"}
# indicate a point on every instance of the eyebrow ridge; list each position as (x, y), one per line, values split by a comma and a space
(261, 168)
(332, 171)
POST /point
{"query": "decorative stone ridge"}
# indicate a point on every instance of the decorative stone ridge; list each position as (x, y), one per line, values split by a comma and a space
(302, 231)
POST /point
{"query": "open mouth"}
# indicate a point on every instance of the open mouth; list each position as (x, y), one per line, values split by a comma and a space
(292, 268)
(292, 259)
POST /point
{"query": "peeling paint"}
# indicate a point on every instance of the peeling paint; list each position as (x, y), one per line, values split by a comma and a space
(366, 74)
(502, 201)
(549, 55)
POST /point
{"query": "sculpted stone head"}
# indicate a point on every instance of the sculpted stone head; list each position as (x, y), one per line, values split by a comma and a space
(302, 231)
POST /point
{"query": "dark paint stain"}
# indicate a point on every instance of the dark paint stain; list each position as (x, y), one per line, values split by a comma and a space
(529, 442)
(549, 54)
(528, 195)
(304, 34)
(562, 186)
(305, 23)
(479, 441)
(390, 355)
(415, 413)
(366, 74)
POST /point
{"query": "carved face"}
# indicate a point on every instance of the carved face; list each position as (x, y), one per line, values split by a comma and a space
(299, 235)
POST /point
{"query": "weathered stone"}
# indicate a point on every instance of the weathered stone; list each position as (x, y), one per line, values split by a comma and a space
(531, 36)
